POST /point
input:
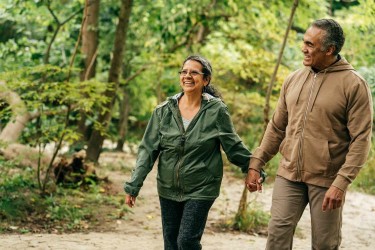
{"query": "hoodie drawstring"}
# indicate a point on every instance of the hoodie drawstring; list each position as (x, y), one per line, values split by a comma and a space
(317, 92)
(304, 77)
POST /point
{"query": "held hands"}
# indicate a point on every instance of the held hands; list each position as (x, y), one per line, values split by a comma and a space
(130, 200)
(254, 181)
(333, 199)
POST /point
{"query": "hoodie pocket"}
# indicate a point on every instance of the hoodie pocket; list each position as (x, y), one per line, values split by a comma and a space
(289, 150)
(317, 159)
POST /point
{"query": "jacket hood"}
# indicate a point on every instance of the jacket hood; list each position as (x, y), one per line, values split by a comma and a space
(205, 96)
(207, 100)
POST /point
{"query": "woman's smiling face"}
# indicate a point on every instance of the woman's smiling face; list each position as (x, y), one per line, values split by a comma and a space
(192, 79)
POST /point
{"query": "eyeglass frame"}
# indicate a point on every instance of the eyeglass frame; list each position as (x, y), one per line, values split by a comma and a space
(192, 73)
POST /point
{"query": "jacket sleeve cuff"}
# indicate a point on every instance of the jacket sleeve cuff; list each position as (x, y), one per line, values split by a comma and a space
(131, 190)
(341, 183)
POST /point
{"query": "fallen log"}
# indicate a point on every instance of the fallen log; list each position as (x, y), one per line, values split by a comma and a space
(76, 172)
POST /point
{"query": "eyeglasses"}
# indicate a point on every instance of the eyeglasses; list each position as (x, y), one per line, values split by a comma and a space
(192, 73)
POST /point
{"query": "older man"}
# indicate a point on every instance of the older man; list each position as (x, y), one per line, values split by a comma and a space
(322, 127)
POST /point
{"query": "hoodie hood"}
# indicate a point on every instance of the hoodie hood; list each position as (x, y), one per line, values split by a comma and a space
(340, 65)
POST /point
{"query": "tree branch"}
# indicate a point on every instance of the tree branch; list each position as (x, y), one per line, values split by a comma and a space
(270, 86)
(78, 40)
(137, 73)
(59, 25)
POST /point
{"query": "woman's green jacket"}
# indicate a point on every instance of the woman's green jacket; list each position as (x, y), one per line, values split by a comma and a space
(190, 164)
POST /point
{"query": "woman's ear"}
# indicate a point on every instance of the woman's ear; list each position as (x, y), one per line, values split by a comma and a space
(208, 79)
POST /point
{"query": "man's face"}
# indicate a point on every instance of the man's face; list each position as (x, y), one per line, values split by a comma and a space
(312, 49)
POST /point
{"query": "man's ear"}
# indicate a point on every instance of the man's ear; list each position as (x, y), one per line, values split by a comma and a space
(331, 49)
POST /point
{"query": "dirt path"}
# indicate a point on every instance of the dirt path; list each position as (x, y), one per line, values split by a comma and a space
(142, 230)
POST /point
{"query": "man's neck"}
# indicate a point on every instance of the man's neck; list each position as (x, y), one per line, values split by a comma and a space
(331, 62)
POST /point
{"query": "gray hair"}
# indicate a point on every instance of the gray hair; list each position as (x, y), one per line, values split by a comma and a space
(334, 34)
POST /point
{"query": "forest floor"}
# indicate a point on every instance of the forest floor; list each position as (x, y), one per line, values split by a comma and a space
(142, 227)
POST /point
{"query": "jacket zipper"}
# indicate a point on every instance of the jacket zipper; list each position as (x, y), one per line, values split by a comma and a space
(300, 147)
(182, 145)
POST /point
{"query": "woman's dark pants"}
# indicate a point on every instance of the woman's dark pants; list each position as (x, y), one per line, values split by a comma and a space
(184, 223)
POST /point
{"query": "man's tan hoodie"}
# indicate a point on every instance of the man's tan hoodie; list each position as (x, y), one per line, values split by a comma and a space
(321, 126)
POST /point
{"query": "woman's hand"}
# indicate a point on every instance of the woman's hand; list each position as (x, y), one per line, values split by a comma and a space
(130, 200)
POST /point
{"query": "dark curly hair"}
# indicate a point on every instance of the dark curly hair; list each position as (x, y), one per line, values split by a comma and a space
(334, 34)
(207, 71)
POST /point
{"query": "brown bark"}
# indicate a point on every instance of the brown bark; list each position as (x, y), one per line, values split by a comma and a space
(96, 139)
(125, 105)
(90, 38)
(24, 155)
(123, 123)
(75, 172)
(90, 41)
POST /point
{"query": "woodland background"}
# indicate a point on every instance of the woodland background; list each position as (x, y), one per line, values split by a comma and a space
(78, 74)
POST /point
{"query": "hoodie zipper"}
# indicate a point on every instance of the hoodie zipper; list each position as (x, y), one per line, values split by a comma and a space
(300, 147)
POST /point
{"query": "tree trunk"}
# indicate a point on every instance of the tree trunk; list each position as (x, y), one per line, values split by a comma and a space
(20, 115)
(124, 115)
(97, 138)
(125, 105)
(90, 38)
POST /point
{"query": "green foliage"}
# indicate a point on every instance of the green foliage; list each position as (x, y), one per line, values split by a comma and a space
(360, 34)
(44, 90)
(242, 40)
(56, 103)
(369, 75)
(65, 210)
(365, 180)
(32, 27)
(10, 197)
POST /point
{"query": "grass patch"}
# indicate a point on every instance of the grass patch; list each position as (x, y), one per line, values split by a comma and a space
(254, 221)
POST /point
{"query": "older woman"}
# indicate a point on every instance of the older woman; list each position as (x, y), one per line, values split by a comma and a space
(186, 133)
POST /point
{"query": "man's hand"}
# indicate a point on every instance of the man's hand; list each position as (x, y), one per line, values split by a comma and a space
(333, 199)
(130, 200)
(253, 181)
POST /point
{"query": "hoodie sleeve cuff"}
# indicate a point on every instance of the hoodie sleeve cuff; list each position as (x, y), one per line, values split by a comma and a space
(256, 164)
(341, 183)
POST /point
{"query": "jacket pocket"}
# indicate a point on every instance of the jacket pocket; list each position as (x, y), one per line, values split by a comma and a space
(168, 159)
(289, 151)
(197, 177)
(317, 159)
